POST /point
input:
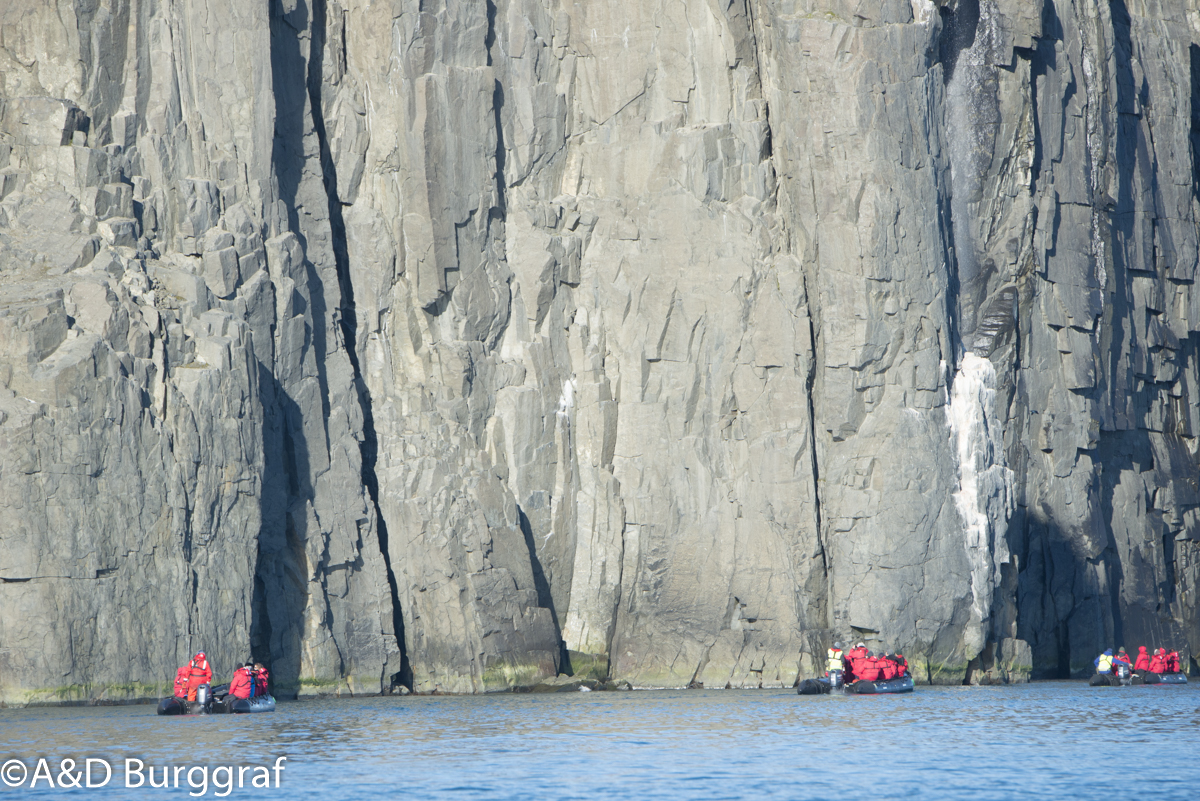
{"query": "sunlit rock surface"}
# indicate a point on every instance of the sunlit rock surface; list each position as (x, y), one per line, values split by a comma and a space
(453, 345)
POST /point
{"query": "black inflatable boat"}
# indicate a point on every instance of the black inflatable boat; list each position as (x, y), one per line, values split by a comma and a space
(1136, 679)
(216, 701)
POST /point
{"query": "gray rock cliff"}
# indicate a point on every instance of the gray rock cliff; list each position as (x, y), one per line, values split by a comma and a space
(453, 345)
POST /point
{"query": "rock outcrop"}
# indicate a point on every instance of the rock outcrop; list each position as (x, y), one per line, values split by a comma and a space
(453, 345)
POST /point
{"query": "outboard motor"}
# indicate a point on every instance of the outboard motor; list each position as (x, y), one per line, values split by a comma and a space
(835, 679)
(1124, 674)
(204, 697)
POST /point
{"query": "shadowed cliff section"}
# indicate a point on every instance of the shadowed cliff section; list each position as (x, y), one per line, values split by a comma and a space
(347, 319)
(315, 550)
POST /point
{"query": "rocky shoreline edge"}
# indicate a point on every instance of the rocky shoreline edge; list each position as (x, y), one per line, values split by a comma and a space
(559, 684)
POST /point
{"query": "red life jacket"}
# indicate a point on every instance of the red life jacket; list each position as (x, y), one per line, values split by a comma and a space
(1143, 660)
(1171, 663)
(887, 668)
(901, 665)
(181, 682)
(1157, 664)
(261, 676)
(870, 669)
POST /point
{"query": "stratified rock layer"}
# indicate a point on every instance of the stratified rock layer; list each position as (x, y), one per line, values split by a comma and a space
(456, 344)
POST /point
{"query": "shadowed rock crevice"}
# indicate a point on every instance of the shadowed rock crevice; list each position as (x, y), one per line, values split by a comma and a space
(347, 319)
(544, 597)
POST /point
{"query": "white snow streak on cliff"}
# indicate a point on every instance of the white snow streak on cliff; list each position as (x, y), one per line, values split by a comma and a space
(566, 401)
(985, 484)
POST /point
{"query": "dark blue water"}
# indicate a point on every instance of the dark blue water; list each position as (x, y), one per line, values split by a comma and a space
(1048, 740)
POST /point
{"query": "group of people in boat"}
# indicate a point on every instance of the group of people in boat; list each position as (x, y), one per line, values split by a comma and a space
(859, 663)
(1162, 661)
(249, 679)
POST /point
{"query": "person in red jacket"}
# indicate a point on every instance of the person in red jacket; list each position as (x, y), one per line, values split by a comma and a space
(855, 660)
(1157, 662)
(901, 665)
(1171, 662)
(887, 668)
(869, 668)
(181, 682)
(1142, 662)
(260, 679)
(239, 686)
(198, 673)
(1123, 657)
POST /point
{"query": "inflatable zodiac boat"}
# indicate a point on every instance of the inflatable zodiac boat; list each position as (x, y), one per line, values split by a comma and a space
(827, 684)
(207, 703)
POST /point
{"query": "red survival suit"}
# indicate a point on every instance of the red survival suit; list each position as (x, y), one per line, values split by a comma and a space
(1143, 659)
(901, 665)
(869, 668)
(855, 661)
(239, 687)
(260, 681)
(1158, 662)
(1171, 662)
(198, 673)
(181, 682)
(887, 668)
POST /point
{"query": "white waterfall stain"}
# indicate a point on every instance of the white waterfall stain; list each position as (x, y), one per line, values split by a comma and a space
(985, 484)
(567, 399)
(562, 480)
(1095, 148)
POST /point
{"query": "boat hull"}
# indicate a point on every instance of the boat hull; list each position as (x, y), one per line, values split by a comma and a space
(882, 687)
(822, 686)
(1110, 680)
(181, 706)
(244, 706)
(173, 706)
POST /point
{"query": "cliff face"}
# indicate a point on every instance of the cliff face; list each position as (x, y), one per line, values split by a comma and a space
(453, 344)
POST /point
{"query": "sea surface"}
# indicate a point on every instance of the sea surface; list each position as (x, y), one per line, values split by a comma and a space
(1055, 740)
